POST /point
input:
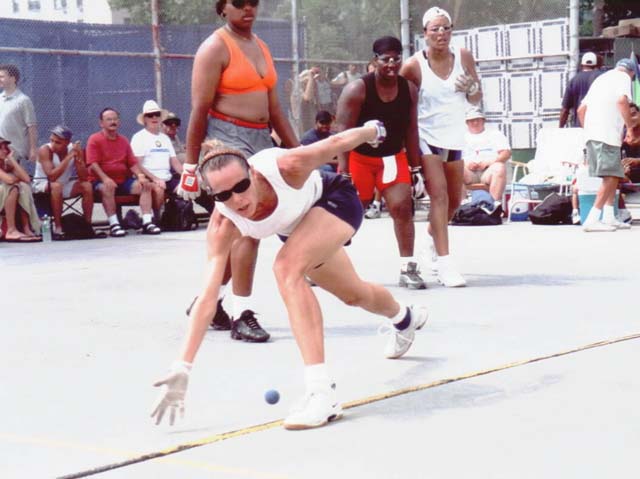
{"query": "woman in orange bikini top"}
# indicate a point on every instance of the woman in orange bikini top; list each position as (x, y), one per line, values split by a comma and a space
(234, 79)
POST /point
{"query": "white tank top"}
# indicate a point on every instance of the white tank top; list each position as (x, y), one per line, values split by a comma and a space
(292, 205)
(40, 176)
(441, 109)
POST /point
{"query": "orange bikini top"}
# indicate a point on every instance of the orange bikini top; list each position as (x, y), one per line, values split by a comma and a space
(241, 76)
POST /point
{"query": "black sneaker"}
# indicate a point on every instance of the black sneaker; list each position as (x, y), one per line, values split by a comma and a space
(246, 328)
(221, 320)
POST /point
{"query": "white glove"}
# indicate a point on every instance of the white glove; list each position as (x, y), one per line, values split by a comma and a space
(417, 183)
(189, 189)
(466, 84)
(381, 132)
(175, 389)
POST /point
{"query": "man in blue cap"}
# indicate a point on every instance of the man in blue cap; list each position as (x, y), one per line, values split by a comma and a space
(604, 113)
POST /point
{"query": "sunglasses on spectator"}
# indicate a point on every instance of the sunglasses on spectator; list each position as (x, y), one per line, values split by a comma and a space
(153, 115)
(241, 3)
(240, 187)
(440, 29)
(389, 58)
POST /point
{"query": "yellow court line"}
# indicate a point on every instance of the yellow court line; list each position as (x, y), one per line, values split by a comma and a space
(349, 405)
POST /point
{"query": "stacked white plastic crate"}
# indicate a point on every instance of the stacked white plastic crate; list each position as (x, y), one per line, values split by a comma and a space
(524, 71)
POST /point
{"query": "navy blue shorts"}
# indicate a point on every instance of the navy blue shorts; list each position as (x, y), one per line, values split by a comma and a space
(340, 198)
(123, 188)
(445, 154)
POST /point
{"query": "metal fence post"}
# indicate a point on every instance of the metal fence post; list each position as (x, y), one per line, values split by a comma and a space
(157, 50)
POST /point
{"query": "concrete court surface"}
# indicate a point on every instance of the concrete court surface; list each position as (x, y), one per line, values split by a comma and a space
(87, 326)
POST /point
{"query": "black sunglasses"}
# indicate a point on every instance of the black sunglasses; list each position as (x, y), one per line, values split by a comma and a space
(241, 3)
(240, 187)
(152, 115)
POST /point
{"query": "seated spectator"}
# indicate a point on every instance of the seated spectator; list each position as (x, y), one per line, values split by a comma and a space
(16, 201)
(62, 172)
(170, 127)
(155, 153)
(322, 130)
(112, 165)
(485, 155)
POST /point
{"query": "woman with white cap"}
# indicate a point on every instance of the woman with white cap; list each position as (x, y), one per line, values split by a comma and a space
(447, 79)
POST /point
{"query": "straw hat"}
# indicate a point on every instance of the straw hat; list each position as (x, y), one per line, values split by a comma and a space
(150, 106)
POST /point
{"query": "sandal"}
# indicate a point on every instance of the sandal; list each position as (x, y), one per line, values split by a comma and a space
(116, 231)
(59, 236)
(150, 229)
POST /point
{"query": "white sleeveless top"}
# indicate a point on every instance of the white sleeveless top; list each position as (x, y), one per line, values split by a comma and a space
(40, 177)
(292, 205)
(441, 109)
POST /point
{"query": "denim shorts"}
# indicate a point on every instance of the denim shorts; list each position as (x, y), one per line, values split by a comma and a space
(123, 188)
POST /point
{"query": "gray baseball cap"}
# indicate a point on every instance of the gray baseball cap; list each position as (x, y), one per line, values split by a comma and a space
(62, 131)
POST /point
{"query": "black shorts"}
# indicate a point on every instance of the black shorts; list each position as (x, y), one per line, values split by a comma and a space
(340, 198)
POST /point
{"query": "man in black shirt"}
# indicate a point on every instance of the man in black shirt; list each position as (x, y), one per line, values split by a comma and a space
(386, 96)
(577, 88)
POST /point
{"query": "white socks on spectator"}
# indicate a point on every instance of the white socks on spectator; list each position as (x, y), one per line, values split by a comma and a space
(594, 215)
(113, 220)
(147, 218)
(240, 304)
(608, 215)
(222, 290)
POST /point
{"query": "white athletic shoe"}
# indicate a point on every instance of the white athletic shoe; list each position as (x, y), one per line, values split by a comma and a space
(373, 212)
(399, 341)
(410, 277)
(449, 277)
(624, 216)
(598, 226)
(314, 409)
(433, 257)
(575, 217)
(619, 225)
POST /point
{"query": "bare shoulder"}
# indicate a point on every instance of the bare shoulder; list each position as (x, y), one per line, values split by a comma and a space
(213, 48)
(411, 70)
(466, 56)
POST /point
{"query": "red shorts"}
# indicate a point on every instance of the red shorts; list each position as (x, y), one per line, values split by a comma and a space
(368, 172)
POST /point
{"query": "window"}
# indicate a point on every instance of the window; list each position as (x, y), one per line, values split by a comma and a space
(16, 6)
(60, 4)
(80, 5)
(34, 5)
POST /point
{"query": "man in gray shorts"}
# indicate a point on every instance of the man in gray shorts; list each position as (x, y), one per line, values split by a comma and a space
(604, 113)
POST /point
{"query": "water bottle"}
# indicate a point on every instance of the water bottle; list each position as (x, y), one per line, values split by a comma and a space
(46, 229)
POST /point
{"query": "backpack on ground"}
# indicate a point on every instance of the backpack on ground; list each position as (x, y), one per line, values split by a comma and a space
(477, 214)
(555, 209)
(76, 227)
(178, 215)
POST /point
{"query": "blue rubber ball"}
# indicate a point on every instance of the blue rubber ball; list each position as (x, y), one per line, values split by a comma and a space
(272, 396)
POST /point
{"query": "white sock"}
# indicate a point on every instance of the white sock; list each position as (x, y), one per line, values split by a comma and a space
(113, 220)
(444, 260)
(316, 377)
(607, 214)
(594, 215)
(376, 204)
(402, 312)
(240, 304)
(575, 211)
(147, 218)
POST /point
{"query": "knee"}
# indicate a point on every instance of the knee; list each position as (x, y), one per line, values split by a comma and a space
(86, 188)
(500, 170)
(286, 272)
(438, 193)
(401, 210)
(55, 188)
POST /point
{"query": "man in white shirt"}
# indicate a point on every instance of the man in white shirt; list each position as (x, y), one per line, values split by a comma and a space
(485, 155)
(604, 113)
(18, 118)
(155, 153)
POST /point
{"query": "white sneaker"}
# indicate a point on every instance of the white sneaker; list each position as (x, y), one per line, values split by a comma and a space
(449, 277)
(410, 277)
(598, 226)
(400, 341)
(624, 216)
(315, 409)
(575, 217)
(373, 212)
(618, 224)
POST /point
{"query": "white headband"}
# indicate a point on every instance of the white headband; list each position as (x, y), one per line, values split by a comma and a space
(433, 13)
